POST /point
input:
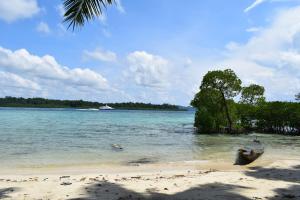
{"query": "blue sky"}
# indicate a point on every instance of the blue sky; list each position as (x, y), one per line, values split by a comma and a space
(148, 51)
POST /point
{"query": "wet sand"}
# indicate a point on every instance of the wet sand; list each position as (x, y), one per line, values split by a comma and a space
(278, 179)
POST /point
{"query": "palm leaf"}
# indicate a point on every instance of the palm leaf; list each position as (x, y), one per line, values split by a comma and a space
(80, 11)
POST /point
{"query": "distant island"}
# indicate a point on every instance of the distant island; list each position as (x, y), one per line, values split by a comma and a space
(54, 103)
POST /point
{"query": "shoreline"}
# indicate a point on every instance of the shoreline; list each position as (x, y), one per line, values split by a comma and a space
(141, 164)
(110, 168)
(186, 181)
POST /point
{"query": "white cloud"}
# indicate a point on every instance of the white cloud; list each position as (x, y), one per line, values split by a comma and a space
(20, 69)
(12, 10)
(43, 27)
(120, 6)
(12, 80)
(271, 57)
(259, 2)
(101, 55)
(232, 46)
(254, 4)
(147, 69)
(15, 85)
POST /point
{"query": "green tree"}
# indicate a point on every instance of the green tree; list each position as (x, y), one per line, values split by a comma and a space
(216, 107)
(253, 94)
(209, 116)
(80, 11)
(227, 85)
(279, 117)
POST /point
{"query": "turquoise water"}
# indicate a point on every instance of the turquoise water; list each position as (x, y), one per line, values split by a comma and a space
(58, 137)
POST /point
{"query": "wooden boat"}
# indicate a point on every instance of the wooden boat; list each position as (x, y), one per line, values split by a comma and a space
(249, 154)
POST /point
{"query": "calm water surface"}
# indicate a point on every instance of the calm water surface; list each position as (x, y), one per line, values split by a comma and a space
(57, 137)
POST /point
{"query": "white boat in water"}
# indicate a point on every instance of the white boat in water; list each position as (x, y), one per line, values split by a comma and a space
(88, 109)
(106, 107)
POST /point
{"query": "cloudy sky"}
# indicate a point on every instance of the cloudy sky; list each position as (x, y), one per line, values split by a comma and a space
(148, 51)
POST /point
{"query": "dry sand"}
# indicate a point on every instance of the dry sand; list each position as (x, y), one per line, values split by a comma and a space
(190, 180)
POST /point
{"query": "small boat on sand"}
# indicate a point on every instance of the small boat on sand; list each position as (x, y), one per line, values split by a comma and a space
(247, 155)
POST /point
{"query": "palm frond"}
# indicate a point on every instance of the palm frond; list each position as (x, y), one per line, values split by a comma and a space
(80, 11)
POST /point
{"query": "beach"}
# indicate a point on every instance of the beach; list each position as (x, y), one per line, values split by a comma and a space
(273, 180)
(149, 100)
(75, 154)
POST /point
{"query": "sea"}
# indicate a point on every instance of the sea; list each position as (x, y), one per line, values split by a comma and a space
(40, 137)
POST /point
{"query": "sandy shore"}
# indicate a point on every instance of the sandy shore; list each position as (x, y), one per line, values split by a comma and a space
(191, 180)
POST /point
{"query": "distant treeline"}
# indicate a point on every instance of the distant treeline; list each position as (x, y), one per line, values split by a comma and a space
(52, 103)
(218, 111)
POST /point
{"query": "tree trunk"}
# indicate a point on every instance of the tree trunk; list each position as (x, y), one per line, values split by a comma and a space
(227, 113)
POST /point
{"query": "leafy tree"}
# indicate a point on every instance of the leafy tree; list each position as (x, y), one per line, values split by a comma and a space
(253, 94)
(227, 85)
(209, 116)
(216, 107)
(279, 117)
(80, 11)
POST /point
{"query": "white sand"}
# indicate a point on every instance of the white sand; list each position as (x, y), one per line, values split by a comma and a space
(190, 180)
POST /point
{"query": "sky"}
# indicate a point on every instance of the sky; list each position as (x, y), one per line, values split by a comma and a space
(148, 51)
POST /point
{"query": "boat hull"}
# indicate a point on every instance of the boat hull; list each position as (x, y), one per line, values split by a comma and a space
(245, 157)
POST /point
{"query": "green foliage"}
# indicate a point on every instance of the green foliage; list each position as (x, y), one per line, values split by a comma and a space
(247, 115)
(279, 117)
(217, 89)
(209, 116)
(51, 103)
(226, 82)
(253, 94)
(216, 109)
(80, 11)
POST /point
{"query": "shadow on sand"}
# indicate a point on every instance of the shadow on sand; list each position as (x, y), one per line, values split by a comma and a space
(288, 175)
(4, 192)
(292, 192)
(216, 191)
